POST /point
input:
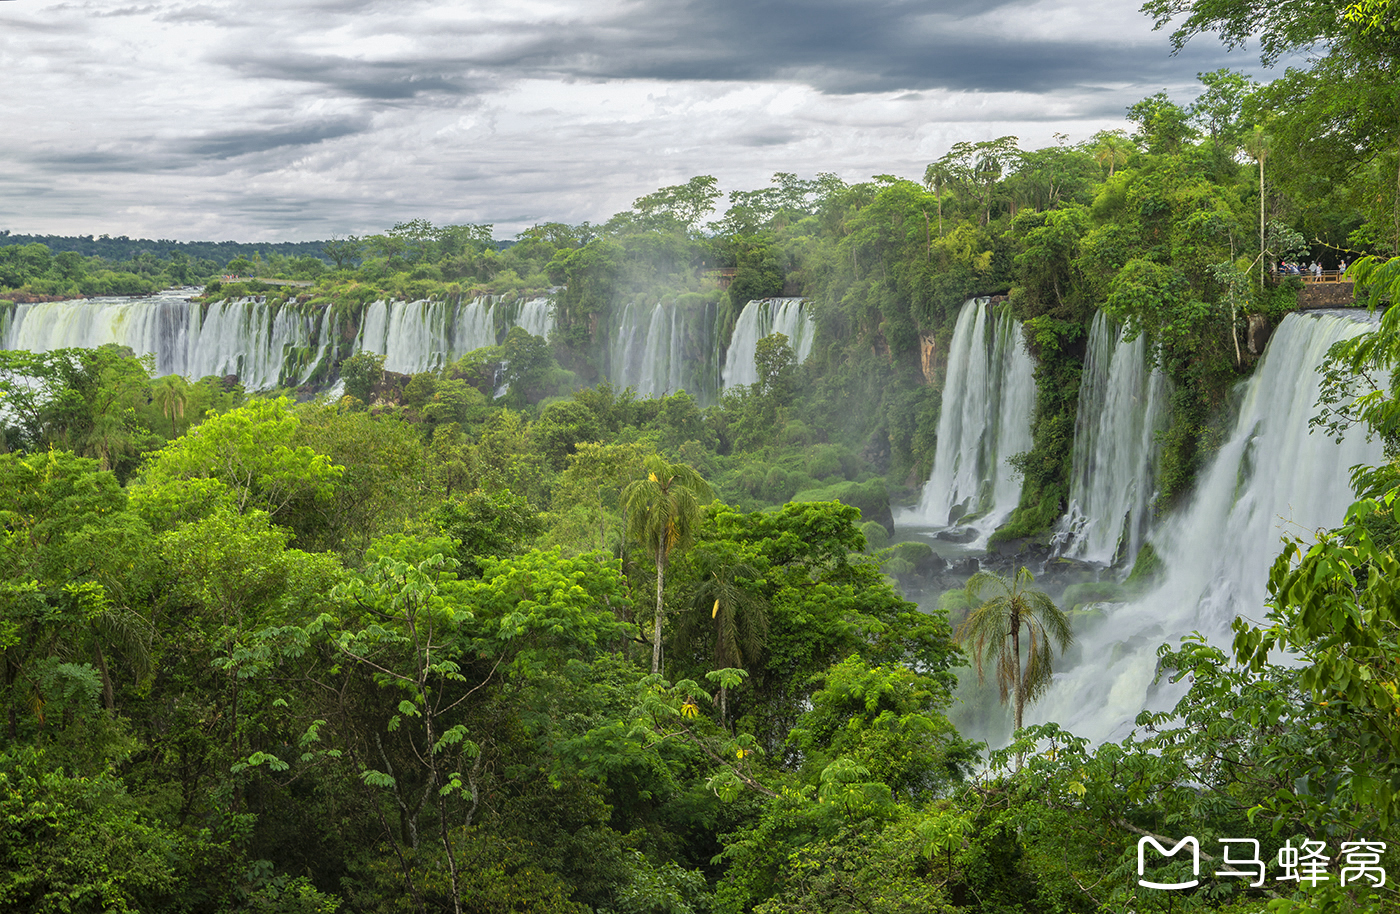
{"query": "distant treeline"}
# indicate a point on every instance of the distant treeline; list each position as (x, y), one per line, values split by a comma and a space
(123, 248)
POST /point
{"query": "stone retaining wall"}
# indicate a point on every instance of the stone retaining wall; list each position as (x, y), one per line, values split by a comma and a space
(1325, 295)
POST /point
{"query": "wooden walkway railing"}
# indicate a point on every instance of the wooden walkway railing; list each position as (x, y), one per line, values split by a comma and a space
(1324, 276)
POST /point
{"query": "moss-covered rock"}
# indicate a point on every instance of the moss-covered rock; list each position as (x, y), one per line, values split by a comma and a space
(1146, 568)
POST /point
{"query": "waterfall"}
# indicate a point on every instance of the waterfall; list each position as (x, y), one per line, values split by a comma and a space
(1271, 478)
(536, 317)
(474, 327)
(761, 318)
(1122, 407)
(661, 348)
(988, 399)
(266, 346)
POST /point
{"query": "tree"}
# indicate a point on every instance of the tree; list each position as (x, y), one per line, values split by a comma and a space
(1218, 110)
(993, 630)
(1256, 146)
(685, 203)
(343, 252)
(662, 512)
(737, 613)
(937, 177)
(170, 394)
(773, 360)
(1338, 114)
(251, 450)
(1163, 123)
(362, 373)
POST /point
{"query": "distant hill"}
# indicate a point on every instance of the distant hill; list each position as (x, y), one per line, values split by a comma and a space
(123, 248)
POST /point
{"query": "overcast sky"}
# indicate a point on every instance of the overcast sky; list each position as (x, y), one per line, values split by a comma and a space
(268, 120)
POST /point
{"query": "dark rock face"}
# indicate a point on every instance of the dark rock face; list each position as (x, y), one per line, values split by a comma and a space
(1258, 334)
(965, 568)
(957, 535)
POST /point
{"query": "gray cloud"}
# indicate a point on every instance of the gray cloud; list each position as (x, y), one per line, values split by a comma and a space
(835, 46)
(372, 80)
(303, 118)
(232, 144)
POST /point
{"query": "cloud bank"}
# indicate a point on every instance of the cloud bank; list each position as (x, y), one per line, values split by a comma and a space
(302, 119)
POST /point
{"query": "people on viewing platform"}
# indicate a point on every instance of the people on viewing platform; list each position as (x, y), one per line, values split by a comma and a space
(1313, 272)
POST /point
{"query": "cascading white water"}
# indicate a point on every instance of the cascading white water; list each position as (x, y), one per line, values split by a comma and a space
(988, 399)
(425, 335)
(536, 317)
(1122, 406)
(662, 348)
(760, 318)
(1270, 479)
(265, 346)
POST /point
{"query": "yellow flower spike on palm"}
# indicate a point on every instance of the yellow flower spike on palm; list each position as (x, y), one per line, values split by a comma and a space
(652, 477)
(690, 709)
(715, 612)
(741, 752)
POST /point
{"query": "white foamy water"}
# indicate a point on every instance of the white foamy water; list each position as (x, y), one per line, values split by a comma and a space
(266, 346)
(1271, 478)
(988, 400)
(1122, 407)
(760, 318)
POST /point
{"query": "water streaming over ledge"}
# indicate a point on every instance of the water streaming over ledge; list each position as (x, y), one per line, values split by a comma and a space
(270, 346)
(761, 318)
(988, 399)
(661, 348)
(1271, 478)
(1122, 406)
(657, 349)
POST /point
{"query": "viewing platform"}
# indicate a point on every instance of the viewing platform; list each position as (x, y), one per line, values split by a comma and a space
(1324, 277)
(724, 276)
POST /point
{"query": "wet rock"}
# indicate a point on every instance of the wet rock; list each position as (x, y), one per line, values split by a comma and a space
(1257, 337)
(965, 568)
(957, 535)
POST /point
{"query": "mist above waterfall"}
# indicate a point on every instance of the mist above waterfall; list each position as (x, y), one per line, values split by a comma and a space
(662, 348)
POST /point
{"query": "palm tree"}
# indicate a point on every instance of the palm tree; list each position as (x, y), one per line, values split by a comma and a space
(738, 616)
(1111, 150)
(662, 510)
(993, 630)
(170, 394)
(937, 177)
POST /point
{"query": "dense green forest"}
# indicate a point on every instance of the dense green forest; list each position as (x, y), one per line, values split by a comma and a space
(502, 637)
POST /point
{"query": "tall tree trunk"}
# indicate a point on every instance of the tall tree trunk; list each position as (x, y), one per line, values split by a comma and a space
(1261, 221)
(108, 699)
(1020, 697)
(435, 785)
(1016, 675)
(660, 589)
